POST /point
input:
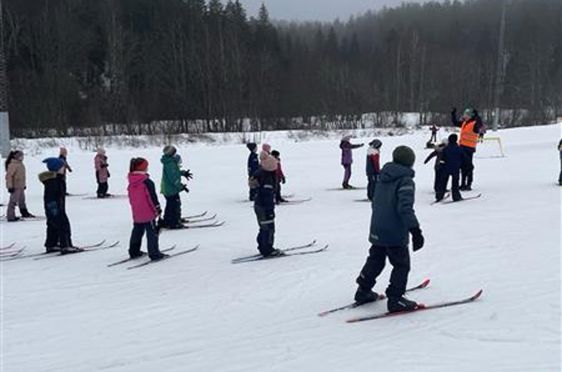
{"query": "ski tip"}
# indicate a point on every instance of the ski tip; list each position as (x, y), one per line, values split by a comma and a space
(425, 283)
(477, 295)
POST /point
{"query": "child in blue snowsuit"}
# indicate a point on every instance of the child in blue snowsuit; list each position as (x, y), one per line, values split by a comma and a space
(253, 166)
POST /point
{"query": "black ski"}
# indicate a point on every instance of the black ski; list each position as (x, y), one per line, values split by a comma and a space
(354, 305)
(56, 252)
(295, 248)
(349, 189)
(260, 258)
(295, 201)
(181, 253)
(420, 307)
(463, 199)
(202, 226)
(133, 259)
(447, 195)
(8, 247)
(81, 250)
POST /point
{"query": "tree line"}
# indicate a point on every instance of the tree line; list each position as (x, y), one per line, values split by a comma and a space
(196, 66)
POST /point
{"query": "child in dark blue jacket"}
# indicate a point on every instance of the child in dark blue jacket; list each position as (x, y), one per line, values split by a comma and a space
(453, 158)
(253, 166)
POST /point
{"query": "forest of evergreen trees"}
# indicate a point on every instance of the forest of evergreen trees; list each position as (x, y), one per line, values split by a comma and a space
(88, 63)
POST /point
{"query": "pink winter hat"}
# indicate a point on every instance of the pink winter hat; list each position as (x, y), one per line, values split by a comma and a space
(268, 162)
(266, 147)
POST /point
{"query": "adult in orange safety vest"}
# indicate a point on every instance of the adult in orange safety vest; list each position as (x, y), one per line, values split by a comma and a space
(471, 125)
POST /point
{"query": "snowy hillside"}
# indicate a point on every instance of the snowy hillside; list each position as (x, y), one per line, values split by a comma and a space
(199, 312)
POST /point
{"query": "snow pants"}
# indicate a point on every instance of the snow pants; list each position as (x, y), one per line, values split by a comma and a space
(16, 198)
(172, 212)
(58, 227)
(266, 234)
(467, 170)
(399, 258)
(102, 189)
(151, 236)
(371, 185)
(346, 174)
(442, 186)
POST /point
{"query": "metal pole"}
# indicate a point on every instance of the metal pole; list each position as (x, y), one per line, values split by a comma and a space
(500, 69)
(4, 118)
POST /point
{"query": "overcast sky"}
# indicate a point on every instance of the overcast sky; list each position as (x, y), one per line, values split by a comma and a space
(321, 10)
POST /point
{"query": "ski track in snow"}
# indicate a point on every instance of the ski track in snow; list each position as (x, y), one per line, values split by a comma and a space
(199, 312)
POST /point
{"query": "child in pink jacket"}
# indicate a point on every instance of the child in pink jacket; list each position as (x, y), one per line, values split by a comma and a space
(102, 173)
(145, 208)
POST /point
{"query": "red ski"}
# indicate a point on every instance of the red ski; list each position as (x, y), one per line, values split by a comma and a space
(420, 307)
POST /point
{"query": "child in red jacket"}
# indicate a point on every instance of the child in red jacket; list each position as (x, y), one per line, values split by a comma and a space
(373, 168)
(280, 178)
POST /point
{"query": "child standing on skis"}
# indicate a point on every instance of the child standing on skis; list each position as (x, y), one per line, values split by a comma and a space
(373, 167)
(16, 185)
(102, 173)
(145, 208)
(172, 186)
(58, 224)
(392, 220)
(280, 177)
(347, 159)
(264, 205)
(439, 164)
(253, 166)
(453, 158)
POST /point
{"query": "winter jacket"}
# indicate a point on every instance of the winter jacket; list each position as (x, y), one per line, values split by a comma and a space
(171, 176)
(346, 152)
(560, 148)
(54, 192)
(66, 166)
(453, 158)
(253, 164)
(470, 130)
(279, 173)
(102, 173)
(373, 166)
(438, 155)
(267, 183)
(393, 213)
(15, 175)
(142, 197)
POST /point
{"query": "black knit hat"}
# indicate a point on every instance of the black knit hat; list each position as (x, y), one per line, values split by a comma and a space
(404, 155)
(252, 146)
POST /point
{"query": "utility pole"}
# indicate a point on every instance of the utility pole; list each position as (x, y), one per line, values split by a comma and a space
(500, 69)
(4, 118)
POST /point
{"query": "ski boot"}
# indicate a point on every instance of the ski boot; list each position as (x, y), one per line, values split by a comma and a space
(364, 296)
(52, 249)
(25, 214)
(398, 304)
(275, 253)
(70, 250)
(134, 256)
(161, 256)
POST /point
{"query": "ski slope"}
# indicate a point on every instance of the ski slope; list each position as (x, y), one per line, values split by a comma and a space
(199, 312)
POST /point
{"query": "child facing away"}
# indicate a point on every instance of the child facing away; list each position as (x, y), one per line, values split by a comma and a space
(252, 166)
(438, 167)
(392, 220)
(280, 178)
(58, 224)
(264, 205)
(373, 167)
(102, 173)
(16, 185)
(347, 159)
(145, 209)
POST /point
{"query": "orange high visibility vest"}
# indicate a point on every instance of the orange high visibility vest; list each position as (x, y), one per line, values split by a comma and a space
(468, 137)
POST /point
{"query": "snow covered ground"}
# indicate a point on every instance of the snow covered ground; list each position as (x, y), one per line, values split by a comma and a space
(201, 313)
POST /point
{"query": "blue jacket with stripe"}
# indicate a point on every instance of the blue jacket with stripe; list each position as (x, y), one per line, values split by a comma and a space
(393, 214)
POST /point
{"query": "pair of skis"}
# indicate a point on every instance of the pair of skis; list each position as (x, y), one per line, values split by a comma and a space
(444, 201)
(197, 221)
(88, 248)
(10, 251)
(420, 307)
(288, 252)
(146, 263)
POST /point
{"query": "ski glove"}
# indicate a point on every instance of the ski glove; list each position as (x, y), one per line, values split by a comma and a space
(184, 188)
(11, 190)
(187, 174)
(417, 238)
